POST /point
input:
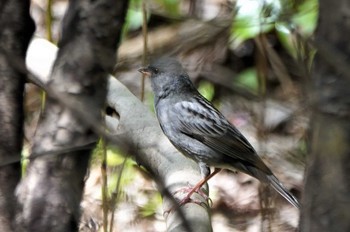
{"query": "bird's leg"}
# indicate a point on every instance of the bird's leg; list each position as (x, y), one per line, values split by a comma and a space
(198, 186)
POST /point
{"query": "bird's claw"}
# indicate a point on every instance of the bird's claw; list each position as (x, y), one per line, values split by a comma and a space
(187, 199)
(190, 190)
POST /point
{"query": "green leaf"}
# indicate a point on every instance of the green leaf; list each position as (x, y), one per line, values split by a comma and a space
(134, 17)
(253, 18)
(303, 20)
(286, 38)
(248, 79)
(306, 17)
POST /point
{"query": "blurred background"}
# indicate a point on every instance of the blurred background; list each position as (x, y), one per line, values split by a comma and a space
(252, 59)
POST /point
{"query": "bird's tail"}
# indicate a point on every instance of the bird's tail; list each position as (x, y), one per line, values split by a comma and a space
(283, 191)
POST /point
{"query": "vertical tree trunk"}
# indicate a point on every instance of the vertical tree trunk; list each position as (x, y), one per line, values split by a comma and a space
(327, 191)
(16, 29)
(49, 196)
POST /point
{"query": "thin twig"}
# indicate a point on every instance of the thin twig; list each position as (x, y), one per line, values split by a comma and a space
(48, 24)
(145, 48)
(116, 194)
(104, 188)
(48, 20)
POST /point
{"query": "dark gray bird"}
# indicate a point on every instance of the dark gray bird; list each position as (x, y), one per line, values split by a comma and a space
(199, 131)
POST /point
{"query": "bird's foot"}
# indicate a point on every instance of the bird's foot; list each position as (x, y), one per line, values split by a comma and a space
(190, 190)
(187, 199)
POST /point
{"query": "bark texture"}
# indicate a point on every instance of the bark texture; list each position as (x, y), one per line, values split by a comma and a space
(16, 30)
(327, 199)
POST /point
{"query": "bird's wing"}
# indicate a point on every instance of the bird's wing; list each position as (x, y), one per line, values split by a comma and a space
(201, 121)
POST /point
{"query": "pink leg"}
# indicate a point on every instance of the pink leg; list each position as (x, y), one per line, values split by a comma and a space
(198, 186)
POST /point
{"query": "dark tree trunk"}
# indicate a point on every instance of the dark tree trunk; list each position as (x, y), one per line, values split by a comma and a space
(327, 191)
(16, 29)
(49, 196)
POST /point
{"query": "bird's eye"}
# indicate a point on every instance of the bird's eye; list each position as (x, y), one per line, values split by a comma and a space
(155, 70)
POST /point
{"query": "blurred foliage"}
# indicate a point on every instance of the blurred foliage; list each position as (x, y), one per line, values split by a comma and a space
(253, 18)
(114, 157)
(290, 20)
(115, 160)
(286, 17)
(25, 160)
(151, 206)
(206, 89)
(134, 17)
(248, 79)
(172, 7)
(305, 17)
(122, 177)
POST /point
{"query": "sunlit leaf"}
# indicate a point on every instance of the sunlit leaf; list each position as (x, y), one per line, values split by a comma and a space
(135, 19)
(114, 158)
(303, 22)
(306, 17)
(253, 18)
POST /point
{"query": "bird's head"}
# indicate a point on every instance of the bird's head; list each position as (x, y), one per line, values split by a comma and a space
(166, 74)
(163, 66)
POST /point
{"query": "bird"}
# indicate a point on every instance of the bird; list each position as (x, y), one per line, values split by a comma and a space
(200, 131)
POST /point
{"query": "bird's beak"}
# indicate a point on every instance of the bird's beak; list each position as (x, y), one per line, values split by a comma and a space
(145, 71)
